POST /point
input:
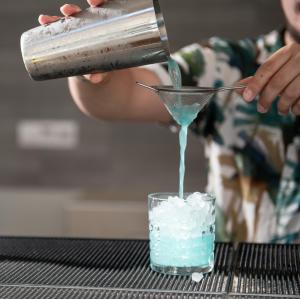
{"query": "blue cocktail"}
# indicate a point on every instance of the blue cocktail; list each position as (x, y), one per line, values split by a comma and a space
(182, 233)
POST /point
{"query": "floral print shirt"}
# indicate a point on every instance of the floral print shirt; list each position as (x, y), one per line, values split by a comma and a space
(254, 159)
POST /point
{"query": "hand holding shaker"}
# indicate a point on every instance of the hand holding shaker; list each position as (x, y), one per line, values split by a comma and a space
(120, 34)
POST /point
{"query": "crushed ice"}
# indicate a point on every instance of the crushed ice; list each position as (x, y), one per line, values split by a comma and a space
(197, 277)
(183, 218)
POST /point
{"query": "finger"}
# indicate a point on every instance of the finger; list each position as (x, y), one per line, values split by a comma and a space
(296, 107)
(96, 78)
(44, 19)
(289, 96)
(244, 81)
(95, 3)
(278, 83)
(265, 72)
(70, 9)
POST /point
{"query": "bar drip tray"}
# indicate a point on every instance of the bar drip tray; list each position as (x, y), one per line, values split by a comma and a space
(92, 269)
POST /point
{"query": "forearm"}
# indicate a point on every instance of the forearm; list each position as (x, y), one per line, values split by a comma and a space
(119, 98)
(104, 100)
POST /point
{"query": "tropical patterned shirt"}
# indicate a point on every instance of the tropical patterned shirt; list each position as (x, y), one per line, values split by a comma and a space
(254, 159)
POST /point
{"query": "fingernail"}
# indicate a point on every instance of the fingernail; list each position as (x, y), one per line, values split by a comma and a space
(91, 4)
(96, 78)
(41, 20)
(77, 8)
(261, 108)
(95, 3)
(248, 95)
(63, 7)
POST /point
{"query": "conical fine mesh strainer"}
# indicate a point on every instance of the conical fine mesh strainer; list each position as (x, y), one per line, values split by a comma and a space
(185, 103)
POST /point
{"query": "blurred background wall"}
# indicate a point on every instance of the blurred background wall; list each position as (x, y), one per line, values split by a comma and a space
(62, 173)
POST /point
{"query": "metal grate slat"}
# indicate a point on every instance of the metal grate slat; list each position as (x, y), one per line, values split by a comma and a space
(266, 270)
(90, 269)
(56, 268)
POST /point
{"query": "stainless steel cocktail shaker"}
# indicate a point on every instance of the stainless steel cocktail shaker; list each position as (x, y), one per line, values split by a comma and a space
(120, 34)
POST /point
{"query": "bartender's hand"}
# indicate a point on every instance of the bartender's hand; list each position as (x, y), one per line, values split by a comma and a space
(278, 76)
(69, 10)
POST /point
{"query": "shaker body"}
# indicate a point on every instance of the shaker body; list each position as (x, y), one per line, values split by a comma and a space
(120, 34)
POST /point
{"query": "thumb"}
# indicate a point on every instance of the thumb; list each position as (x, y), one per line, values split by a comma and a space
(96, 78)
(244, 81)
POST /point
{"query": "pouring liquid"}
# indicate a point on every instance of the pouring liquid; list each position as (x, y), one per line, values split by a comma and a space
(184, 116)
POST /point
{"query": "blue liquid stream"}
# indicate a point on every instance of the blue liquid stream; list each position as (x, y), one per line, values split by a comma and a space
(183, 143)
(175, 73)
(184, 116)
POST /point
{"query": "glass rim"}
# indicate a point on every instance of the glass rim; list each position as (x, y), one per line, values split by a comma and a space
(158, 196)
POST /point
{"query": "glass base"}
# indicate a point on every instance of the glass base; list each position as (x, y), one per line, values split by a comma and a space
(180, 270)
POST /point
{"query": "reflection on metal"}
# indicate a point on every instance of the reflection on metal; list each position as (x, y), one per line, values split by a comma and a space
(120, 34)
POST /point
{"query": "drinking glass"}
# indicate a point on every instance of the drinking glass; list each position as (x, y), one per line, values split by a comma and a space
(182, 233)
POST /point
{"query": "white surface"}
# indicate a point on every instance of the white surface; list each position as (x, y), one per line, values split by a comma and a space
(47, 134)
(68, 213)
(116, 219)
(26, 212)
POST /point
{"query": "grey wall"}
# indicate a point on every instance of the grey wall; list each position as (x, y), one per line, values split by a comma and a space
(130, 158)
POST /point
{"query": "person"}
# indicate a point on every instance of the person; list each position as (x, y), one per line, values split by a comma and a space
(252, 138)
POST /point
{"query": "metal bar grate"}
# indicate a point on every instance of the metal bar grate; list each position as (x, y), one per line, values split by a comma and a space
(62, 267)
(29, 292)
(90, 269)
(266, 269)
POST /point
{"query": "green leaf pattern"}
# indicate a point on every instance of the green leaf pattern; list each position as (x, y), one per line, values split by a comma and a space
(254, 159)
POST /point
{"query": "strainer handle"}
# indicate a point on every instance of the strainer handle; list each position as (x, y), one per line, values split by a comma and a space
(147, 86)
